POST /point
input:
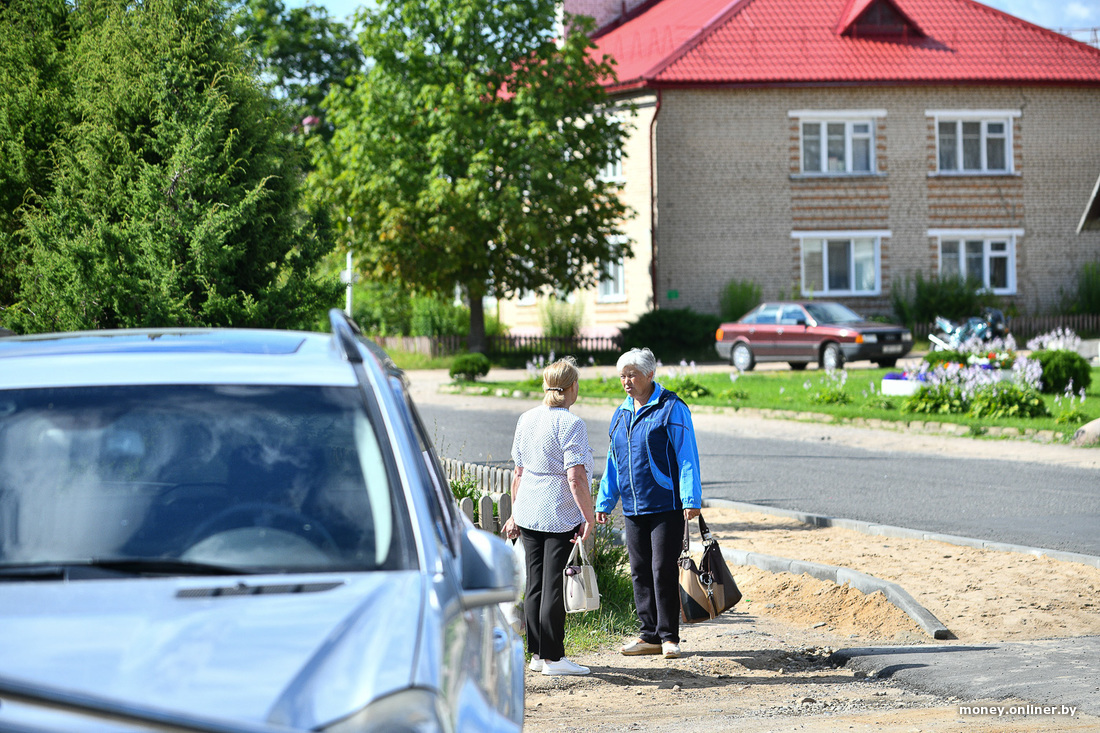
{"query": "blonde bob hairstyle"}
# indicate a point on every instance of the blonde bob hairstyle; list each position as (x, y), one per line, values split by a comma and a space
(557, 378)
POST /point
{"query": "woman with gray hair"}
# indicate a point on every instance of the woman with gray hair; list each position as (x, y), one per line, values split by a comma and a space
(653, 466)
(551, 509)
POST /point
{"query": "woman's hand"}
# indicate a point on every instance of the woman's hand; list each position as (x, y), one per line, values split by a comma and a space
(690, 514)
(602, 517)
(510, 530)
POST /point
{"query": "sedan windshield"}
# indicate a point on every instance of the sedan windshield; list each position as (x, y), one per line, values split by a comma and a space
(255, 479)
(832, 313)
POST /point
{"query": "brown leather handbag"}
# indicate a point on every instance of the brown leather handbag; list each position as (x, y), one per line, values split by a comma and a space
(706, 589)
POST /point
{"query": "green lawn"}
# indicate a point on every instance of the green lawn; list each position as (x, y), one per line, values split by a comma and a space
(856, 396)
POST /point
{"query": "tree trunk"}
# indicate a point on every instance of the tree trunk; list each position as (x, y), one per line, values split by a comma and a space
(476, 341)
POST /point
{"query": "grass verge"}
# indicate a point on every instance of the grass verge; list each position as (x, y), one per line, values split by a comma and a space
(859, 395)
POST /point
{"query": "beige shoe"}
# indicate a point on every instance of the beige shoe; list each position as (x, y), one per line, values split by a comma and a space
(670, 650)
(636, 647)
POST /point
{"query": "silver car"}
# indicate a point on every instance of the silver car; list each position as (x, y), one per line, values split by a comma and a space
(238, 530)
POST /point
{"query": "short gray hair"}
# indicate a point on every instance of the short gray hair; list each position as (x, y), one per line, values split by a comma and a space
(642, 359)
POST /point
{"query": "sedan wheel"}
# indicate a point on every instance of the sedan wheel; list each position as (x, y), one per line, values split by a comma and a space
(832, 357)
(742, 358)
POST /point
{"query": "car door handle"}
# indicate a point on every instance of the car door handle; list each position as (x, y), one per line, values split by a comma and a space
(779, 332)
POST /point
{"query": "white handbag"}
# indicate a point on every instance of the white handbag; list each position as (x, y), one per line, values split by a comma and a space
(581, 592)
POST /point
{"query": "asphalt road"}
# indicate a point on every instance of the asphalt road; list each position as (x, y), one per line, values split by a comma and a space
(1001, 498)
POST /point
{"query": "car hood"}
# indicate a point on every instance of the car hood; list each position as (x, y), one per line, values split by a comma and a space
(286, 650)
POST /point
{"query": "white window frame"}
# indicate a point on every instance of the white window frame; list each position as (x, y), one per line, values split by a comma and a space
(849, 118)
(988, 238)
(613, 171)
(612, 286)
(825, 237)
(984, 117)
(617, 292)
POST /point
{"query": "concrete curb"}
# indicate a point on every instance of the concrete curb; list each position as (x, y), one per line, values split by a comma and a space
(862, 582)
(888, 530)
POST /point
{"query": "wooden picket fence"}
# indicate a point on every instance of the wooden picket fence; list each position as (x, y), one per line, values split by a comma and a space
(495, 485)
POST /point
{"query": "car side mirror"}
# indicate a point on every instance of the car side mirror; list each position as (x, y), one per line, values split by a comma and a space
(488, 570)
(800, 322)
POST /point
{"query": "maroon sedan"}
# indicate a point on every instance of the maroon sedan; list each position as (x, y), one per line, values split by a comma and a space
(799, 332)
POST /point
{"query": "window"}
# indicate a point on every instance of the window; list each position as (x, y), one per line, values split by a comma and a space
(613, 170)
(837, 143)
(974, 142)
(840, 263)
(836, 147)
(988, 258)
(612, 283)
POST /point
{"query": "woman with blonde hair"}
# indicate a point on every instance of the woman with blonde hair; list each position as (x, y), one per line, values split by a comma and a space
(551, 509)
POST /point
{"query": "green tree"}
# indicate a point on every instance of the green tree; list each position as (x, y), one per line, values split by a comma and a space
(174, 194)
(303, 52)
(468, 153)
(34, 87)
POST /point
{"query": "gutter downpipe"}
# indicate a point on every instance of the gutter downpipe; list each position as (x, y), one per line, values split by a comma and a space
(653, 198)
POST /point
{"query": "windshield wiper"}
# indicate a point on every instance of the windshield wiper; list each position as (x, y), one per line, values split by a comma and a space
(113, 567)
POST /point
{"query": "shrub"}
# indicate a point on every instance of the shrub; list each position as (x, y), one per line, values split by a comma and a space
(1007, 399)
(686, 386)
(1061, 368)
(933, 358)
(468, 367)
(438, 317)
(737, 299)
(561, 319)
(673, 334)
(830, 389)
(381, 308)
(919, 301)
(1087, 297)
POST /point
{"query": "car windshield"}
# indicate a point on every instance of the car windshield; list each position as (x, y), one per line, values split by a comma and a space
(832, 313)
(258, 479)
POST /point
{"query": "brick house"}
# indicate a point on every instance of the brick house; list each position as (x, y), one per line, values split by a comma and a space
(835, 148)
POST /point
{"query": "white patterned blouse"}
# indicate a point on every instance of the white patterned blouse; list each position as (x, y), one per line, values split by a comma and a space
(548, 442)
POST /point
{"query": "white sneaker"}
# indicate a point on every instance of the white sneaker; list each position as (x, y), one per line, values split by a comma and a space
(670, 650)
(563, 666)
(536, 664)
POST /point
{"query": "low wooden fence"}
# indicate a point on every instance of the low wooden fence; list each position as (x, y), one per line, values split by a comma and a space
(436, 346)
(495, 486)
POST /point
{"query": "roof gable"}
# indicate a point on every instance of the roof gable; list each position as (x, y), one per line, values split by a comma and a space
(783, 42)
(876, 18)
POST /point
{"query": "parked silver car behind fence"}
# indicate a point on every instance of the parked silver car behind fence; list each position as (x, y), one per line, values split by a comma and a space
(237, 530)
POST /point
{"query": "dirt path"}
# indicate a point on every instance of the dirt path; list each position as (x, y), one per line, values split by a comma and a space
(764, 666)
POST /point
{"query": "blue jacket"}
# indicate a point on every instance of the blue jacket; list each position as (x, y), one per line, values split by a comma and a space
(653, 461)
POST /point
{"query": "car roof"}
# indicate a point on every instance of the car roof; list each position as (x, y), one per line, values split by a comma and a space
(174, 356)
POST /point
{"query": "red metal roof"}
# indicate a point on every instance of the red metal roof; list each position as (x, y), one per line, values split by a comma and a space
(783, 42)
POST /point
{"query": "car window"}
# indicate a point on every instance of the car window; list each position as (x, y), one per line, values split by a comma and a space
(763, 315)
(833, 313)
(441, 503)
(268, 478)
(791, 315)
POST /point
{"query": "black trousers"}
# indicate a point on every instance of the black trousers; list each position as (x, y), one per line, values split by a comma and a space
(544, 605)
(654, 542)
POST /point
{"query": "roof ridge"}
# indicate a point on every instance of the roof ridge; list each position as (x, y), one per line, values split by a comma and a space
(1052, 34)
(723, 16)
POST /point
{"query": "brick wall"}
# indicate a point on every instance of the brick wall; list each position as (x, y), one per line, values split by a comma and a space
(730, 194)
